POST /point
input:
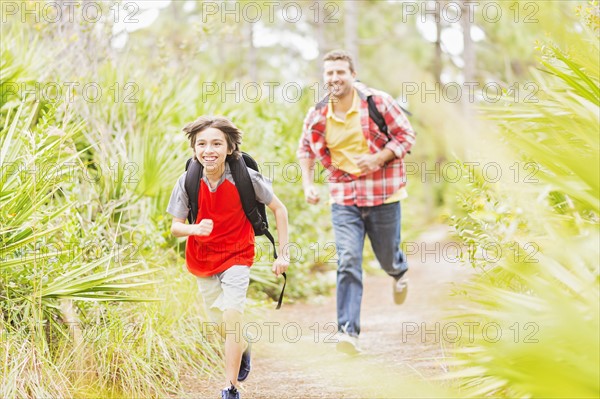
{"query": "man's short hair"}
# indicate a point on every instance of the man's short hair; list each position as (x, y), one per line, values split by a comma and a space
(337, 55)
(233, 135)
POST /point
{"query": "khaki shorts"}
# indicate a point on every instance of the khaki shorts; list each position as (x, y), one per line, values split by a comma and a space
(224, 291)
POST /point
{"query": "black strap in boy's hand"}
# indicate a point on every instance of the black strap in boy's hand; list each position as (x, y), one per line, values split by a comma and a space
(282, 290)
(280, 301)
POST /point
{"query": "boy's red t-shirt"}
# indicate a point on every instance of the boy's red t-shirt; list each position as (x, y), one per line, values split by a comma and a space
(231, 241)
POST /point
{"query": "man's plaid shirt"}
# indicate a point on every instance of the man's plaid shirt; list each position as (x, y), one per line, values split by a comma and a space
(374, 188)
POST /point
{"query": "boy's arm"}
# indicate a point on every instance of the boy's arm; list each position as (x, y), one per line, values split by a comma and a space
(280, 264)
(180, 229)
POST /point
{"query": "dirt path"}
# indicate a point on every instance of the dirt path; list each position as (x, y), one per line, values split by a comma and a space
(402, 346)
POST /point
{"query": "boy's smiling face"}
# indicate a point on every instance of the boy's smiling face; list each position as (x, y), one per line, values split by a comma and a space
(211, 150)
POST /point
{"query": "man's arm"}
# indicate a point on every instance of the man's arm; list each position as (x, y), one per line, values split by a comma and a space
(371, 162)
(311, 193)
(400, 131)
(306, 157)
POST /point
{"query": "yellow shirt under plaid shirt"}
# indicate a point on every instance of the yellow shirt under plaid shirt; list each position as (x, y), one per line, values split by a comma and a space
(346, 141)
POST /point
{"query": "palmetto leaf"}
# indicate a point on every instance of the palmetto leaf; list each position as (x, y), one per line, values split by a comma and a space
(548, 306)
(560, 131)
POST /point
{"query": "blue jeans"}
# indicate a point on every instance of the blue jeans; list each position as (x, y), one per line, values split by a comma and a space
(350, 224)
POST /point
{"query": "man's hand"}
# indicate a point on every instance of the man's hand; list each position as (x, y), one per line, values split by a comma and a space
(204, 228)
(280, 265)
(369, 163)
(311, 194)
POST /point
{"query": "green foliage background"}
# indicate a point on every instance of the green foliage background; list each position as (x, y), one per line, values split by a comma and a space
(95, 298)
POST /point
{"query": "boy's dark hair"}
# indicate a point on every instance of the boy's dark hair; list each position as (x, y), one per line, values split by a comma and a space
(233, 135)
(337, 55)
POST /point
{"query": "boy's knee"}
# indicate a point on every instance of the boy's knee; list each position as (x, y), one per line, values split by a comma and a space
(232, 324)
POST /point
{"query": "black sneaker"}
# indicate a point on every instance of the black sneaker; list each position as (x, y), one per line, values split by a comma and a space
(400, 290)
(245, 363)
(230, 393)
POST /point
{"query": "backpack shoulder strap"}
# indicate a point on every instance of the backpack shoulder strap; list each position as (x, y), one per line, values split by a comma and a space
(376, 116)
(192, 187)
(252, 164)
(254, 211)
(243, 183)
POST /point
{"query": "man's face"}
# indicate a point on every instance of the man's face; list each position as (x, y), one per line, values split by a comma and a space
(338, 78)
(211, 150)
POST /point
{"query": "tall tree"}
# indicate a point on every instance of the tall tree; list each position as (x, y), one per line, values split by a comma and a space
(321, 44)
(468, 49)
(437, 60)
(351, 29)
(252, 59)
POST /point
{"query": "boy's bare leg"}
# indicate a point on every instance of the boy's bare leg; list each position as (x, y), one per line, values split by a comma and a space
(235, 344)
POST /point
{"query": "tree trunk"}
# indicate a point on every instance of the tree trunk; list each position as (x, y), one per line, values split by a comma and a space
(469, 50)
(252, 67)
(437, 60)
(321, 44)
(351, 30)
(175, 11)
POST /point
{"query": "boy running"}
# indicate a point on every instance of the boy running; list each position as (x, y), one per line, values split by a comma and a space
(220, 244)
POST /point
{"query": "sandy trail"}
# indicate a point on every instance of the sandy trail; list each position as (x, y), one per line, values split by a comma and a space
(402, 349)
